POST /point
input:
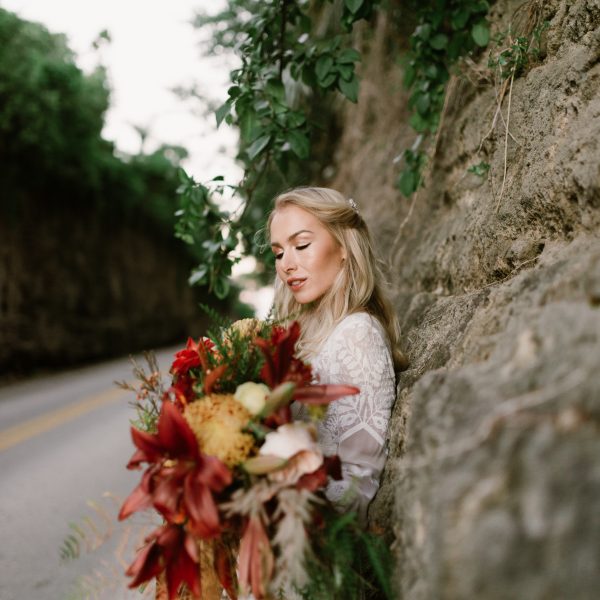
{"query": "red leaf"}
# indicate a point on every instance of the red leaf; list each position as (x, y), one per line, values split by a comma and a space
(166, 495)
(313, 481)
(213, 377)
(139, 456)
(323, 393)
(149, 448)
(146, 564)
(213, 472)
(182, 569)
(174, 434)
(267, 373)
(255, 558)
(201, 508)
(139, 499)
(225, 568)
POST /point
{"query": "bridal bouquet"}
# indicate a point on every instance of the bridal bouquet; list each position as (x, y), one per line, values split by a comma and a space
(237, 481)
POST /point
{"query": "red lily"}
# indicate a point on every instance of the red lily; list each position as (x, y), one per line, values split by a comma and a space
(193, 355)
(180, 481)
(280, 363)
(173, 548)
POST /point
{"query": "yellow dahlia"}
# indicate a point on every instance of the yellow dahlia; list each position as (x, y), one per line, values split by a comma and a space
(217, 421)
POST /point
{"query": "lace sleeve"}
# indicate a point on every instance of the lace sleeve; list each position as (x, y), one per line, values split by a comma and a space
(355, 427)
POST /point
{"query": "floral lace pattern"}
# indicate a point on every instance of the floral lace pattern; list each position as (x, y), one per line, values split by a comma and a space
(357, 353)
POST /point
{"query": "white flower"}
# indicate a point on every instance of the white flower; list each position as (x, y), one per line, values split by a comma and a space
(252, 396)
(290, 439)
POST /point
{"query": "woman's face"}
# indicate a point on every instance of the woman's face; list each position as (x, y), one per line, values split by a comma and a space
(304, 251)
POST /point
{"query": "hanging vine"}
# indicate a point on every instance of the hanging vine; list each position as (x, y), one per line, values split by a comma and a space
(284, 59)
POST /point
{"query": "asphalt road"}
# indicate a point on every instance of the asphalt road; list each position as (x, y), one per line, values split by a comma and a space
(64, 444)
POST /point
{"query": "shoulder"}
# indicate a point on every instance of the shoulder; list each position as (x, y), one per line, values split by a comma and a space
(362, 328)
(358, 351)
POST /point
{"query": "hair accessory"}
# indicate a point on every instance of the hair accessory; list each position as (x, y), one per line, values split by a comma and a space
(353, 205)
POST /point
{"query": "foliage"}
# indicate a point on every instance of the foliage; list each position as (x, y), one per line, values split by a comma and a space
(149, 393)
(516, 52)
(51, 148)
(51, 114)
(480, 169)
(447, 30)
(350, 562)
(292, 53)
(282, 57)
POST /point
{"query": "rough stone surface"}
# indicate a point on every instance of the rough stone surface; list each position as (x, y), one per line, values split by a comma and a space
(493, 481)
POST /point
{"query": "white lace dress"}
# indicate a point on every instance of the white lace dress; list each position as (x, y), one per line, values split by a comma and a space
(357, 352)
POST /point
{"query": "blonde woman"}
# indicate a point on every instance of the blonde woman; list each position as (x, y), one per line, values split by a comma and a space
(329, 280)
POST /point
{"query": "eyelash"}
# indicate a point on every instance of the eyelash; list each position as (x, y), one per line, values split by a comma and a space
(278, 256)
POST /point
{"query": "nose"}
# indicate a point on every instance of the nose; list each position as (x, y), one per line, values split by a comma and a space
(288, 263)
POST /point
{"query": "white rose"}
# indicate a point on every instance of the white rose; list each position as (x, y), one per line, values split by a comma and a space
(290, 439)
(252, 396)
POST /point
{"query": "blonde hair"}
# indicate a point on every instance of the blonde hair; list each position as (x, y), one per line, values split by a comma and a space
(357, 287)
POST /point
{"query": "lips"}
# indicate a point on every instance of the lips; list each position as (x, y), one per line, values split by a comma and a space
(296, 282)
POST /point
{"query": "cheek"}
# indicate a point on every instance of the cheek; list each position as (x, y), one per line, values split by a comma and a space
(279, 270)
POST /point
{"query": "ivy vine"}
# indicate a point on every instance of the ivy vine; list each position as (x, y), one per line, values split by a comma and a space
(283, 62)
(447, 30)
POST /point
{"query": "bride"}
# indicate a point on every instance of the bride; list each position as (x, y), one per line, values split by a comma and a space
(329, 280)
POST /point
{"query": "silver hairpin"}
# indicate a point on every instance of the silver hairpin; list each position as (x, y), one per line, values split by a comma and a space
(353, 205)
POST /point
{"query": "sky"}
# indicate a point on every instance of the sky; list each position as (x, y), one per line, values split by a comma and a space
(153, 49)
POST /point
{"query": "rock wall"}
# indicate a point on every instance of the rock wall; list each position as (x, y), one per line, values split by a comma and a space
(77, 287)
(493, 480)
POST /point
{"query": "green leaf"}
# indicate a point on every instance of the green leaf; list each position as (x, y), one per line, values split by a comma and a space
(234, 91)
(328, 80)
(481, 34)
(407, 183)
(346, 71)
(258, 146)
(423, 103)
(418, 123)
(353, 5)
(222, 112)
(348, 56)
(249, 126)
(221, 288)
(439, 41)
(323, 66)
(299, 143)
(198, 275)
(459, 19)
(409, 76)
(349, 88)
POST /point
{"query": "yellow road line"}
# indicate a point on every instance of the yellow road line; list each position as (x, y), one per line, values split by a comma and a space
(19, 433)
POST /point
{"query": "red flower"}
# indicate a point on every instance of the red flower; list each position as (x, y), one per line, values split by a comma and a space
(182, 391)
(174, 549)
(192, 356)
(180, 481)
(280, 363)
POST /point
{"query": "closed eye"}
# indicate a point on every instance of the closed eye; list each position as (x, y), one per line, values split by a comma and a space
(278, 256)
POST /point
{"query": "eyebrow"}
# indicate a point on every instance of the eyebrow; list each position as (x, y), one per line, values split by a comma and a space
(292, 237)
